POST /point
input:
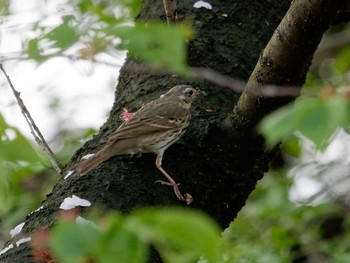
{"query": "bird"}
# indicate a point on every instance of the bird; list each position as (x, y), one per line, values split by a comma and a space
(152, 129)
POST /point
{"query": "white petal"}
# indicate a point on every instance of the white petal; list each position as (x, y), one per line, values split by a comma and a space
(17, 229)
(6, 249)
(200, 4)
(23, 240)
(74, 201)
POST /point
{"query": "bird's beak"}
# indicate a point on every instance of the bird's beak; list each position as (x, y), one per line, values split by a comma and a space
(200, 93)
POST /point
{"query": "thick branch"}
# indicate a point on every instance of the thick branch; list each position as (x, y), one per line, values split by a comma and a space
(287, 56)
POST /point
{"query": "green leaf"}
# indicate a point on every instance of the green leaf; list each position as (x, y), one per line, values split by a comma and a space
(346, 123)
(14, 146)
(291, 147)
(4, 7)
(34, 52)
(343, 60)
(315, 118)
(61, 37)
(278, 125)
(65, 35)
(110, 11)
(318, 119)
(156, 43)
(342, 257)
(179, 235)
(72, 242)
(120, 245)
(132, 5)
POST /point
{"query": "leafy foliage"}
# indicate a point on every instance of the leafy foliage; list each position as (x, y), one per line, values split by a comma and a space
(4, 7)
(288, 231)
(323, 107)
(178, 235)
(271, 228)
(315, 118)
(104, 26)
(20, 177)
(342, 63)
(59, 39)
(14, 146)
(155, 43)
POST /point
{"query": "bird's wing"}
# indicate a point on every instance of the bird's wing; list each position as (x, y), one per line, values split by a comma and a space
(150, 119)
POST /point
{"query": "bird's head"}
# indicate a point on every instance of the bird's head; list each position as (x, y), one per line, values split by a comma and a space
(185, 93)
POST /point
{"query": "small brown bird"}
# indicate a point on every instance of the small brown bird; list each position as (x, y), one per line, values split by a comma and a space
(153, 128)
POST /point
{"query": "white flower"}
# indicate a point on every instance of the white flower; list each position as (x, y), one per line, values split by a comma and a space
(200, 4)
(71, 202)
(6, 249)
(23, 240)
(17, 229)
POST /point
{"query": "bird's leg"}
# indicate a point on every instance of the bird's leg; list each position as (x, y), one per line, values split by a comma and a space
(171, 180)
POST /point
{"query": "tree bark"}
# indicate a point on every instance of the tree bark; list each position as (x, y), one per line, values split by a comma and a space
(220, 158)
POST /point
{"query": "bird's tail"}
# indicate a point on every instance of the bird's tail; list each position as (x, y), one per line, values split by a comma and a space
(87, 165)
(111, 149)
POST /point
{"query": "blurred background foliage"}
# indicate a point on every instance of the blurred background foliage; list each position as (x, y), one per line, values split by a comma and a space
(300, 209)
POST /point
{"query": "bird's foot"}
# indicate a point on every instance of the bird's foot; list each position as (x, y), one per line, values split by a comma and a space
(188, 198)
(175, 187)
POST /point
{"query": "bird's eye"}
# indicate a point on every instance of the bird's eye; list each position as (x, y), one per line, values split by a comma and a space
(190, 92)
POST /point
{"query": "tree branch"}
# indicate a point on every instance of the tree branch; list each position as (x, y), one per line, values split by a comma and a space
(214, 77)
(170, 10)
(238, 86)
(39, 138)
(287, 56)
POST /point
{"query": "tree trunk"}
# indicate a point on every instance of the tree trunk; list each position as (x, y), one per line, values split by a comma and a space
(220, 158)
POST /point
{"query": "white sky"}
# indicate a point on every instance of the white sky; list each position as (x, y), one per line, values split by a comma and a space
(85, 90)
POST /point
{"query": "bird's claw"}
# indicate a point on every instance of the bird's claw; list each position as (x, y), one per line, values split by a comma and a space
(166, 183)
(176, 189)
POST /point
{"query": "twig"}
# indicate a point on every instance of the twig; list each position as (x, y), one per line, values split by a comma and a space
(211, 76)
(224, 81)
(170, 10)
(217, 78)
(34, 129)
(70, 57)
(238, 86)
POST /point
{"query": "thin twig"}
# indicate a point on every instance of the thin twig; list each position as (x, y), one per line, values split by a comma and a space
(70, 57)
(211, 76)
(267, 91)
(33, 128)
(224, 81)
(217, 78)
(170, 10)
